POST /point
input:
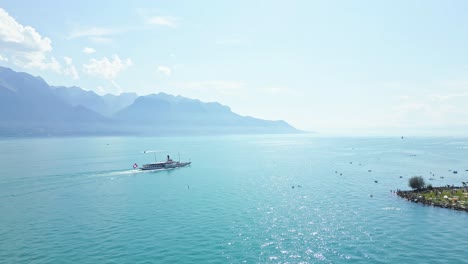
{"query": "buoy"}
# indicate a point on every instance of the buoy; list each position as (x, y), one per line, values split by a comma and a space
(135, 166)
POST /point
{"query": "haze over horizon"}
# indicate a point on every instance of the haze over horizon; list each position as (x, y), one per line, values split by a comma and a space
(334, 67)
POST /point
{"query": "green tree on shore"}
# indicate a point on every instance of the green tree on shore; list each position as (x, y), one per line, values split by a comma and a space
(416, 182)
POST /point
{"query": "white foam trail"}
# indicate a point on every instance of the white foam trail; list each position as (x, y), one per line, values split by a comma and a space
(130, 172)
(124, 172)
(391, 208)
(153, 151)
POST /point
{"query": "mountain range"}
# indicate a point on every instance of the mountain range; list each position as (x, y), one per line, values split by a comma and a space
(30, 107)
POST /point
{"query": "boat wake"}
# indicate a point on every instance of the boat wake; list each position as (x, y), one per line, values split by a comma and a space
(24, 186)
(391, 208)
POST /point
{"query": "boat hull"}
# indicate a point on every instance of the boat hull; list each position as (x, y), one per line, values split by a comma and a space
(164, 165)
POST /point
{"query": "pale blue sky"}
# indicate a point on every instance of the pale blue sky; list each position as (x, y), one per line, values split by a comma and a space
(341, 67)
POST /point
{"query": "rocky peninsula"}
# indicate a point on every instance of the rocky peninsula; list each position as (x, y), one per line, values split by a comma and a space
(449, 196)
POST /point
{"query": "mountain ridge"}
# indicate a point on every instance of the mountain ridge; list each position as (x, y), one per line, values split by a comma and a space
(29, 106)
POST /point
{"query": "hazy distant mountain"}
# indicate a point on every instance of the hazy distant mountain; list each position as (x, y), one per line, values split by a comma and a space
(106, 105)
(116, 103)
(29, 106)
(163, 112)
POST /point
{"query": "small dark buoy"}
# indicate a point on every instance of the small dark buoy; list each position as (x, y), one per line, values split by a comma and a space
(350, 162)
(401, 177)
(341, 173)
(371, 195)
(455, 172)
(376, 181)
(369, 170)
(292, 187)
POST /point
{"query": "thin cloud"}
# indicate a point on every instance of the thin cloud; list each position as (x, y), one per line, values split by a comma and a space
(167, 21)
(430, 110)
(37, 60)
(99, 35)
(445, 97)
(279, 90)
(70, 69)
(106, 68)
(95, 32)
(231, 41)
(100, 40)
(166, 70)
(220, 86)
(88, 50)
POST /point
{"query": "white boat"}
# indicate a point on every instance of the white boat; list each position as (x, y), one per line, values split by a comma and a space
(168, 164)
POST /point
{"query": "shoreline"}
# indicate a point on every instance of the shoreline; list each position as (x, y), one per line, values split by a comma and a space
(451, 197)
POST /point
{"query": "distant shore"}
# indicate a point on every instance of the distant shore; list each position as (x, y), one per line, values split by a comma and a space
(452, 197)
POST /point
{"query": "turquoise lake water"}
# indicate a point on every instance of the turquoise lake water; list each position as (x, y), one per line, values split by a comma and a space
(78, 200)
